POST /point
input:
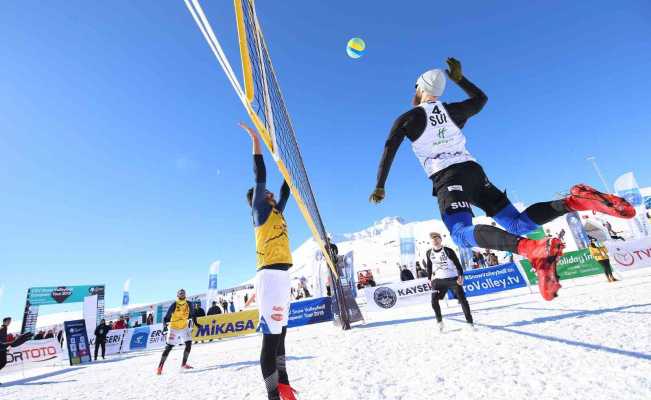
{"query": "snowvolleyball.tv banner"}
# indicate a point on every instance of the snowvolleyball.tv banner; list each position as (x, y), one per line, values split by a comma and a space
(226, 325)
(477, 282)
(573, 264)
(310, 311)
(33, 353)
(630, 255)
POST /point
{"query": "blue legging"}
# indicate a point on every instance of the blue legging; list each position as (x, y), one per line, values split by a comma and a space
(462, 230)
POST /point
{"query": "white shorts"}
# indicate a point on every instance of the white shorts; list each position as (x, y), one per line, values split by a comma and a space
(178, 336)
(272, 295)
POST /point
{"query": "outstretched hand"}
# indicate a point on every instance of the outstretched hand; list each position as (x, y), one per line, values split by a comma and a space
(248, 130)
(377, 196)
(454, 69)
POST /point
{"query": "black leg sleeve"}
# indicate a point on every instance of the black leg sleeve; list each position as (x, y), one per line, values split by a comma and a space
(103, 349)
(166, 352)
(96, 348)
(3, 359)
(608, 270)
(268, 363)
(437, 307)
(492, 237)
(541, 213)
(280, 359)
(186, 352)
(461, 295)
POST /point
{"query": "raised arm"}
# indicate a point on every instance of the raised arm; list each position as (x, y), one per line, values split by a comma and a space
(284, 196)
(261, 208)
(410, 124)
(461, 111)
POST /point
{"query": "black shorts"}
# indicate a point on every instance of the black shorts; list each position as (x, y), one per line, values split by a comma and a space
(461, 185)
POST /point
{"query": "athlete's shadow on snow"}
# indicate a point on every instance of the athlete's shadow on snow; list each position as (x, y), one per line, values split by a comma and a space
(431, 317)
(243, 364)
(507, 328)
(33, 379)
(577, 314)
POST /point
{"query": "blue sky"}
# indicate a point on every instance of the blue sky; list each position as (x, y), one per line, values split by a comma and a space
(120, 156)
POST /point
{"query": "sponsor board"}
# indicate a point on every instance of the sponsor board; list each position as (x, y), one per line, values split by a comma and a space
(77, 341)
(310, 311)
(114, 341)
(491, 280)
(574, 264)
(226, 325)
(33, 353)
(398, 294)
(630, 255)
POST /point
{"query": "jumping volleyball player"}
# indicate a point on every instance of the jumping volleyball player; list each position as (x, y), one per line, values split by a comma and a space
(179, 317)
(434, 128)
(274, 258)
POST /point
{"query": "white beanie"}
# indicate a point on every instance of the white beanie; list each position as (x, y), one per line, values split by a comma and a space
(432, 82)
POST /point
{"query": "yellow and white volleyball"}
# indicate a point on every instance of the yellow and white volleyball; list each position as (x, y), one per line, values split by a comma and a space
(355, 48)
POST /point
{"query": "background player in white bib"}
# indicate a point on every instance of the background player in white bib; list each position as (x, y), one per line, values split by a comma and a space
(434, 128)
(445, 273)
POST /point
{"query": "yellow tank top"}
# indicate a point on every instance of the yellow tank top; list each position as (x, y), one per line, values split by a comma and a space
(599, 253)
(180, 316)
(272, 241)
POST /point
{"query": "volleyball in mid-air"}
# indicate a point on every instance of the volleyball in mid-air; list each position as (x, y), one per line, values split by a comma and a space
(355, 48)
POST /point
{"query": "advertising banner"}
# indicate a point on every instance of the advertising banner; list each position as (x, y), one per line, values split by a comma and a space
(626, 186)
(77, 340)
(39, 296)
(399, 294)
(494, 279)
(576, 227)
(630, 255)
(113, 341)
(573, 264)
(33, 353)
(226, 325)
(310, 311)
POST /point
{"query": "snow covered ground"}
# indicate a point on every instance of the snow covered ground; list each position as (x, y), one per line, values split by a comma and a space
(593, 342)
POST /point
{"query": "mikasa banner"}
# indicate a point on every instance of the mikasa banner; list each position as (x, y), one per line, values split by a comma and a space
(396, 295)
(629, 255)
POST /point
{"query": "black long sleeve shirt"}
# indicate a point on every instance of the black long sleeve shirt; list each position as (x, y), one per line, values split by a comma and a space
(412, 124)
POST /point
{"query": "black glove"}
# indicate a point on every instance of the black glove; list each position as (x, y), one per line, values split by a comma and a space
(165, 329)
(454, 69)
(377, 196)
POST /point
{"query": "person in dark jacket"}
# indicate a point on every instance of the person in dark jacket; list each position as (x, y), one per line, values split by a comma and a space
(214, 309)
(5, 344)
(198, 311)
(406, 274)
(150, 319)
(100, 338)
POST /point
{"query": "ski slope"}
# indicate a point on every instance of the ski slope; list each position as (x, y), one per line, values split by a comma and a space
(593, 342)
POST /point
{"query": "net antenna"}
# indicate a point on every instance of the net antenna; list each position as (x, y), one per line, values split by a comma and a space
(265, 105)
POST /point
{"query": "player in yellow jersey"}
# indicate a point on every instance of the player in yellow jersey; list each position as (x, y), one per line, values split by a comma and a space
(178, 324)
(274, 258)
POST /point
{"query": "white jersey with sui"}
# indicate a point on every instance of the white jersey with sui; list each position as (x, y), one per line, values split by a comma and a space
(442, 266)
(442, 143)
